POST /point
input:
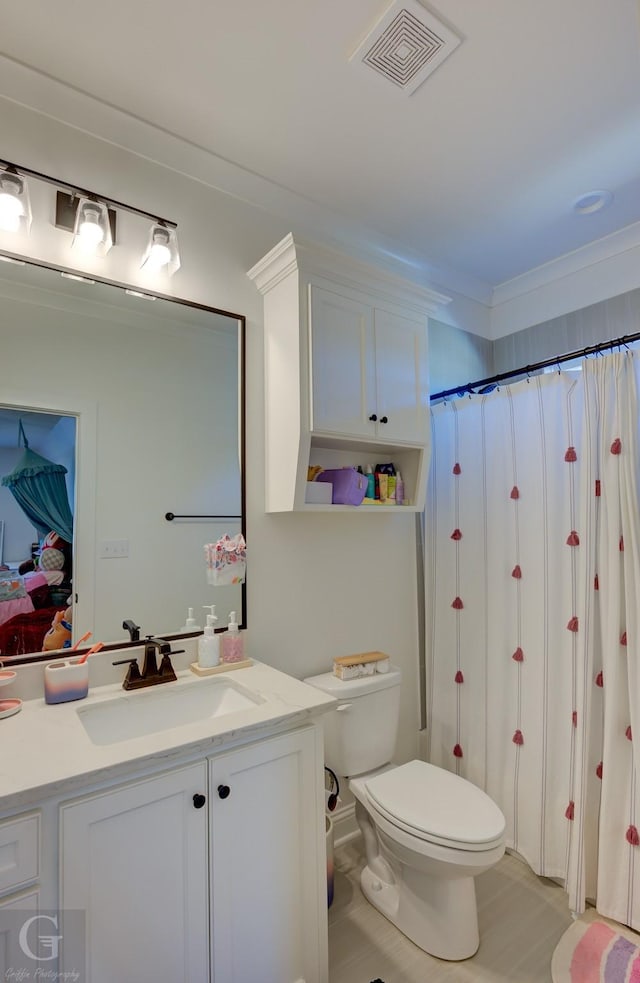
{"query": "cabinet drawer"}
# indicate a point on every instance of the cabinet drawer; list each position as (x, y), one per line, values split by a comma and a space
(19, 851)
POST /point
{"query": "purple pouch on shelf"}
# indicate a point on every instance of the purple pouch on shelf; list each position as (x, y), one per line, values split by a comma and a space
(349, 486)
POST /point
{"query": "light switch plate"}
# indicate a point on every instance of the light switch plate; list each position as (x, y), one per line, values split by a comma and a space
(111, 548)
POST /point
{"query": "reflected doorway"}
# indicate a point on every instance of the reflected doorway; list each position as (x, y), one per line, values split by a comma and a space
(36, 567)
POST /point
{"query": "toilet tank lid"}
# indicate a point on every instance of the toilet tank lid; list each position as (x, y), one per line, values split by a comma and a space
(347, 689)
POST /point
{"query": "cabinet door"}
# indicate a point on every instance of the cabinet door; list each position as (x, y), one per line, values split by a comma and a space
(135, 859)
(401, 378)
(269, 879)
(14, 911)
(342, 364)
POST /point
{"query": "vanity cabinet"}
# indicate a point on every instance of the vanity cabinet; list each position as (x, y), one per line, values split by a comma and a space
(346, 372)
(264, 850)
(214, 867)
(134, 858)
(19, 867)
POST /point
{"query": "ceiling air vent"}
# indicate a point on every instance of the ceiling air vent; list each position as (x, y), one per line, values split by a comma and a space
(406, 45)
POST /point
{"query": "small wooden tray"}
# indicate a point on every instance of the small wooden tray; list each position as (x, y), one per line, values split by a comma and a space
(360, 659)
(223, 667)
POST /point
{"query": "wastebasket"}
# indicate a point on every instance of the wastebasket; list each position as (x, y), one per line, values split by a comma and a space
(329, 843)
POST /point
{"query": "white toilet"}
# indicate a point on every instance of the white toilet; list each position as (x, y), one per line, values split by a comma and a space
(427, 832)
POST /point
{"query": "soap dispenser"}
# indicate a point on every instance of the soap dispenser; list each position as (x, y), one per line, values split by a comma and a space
(209, 643)
(190, 623)
(232, 642)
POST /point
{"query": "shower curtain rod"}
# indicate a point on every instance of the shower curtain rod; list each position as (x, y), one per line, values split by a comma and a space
(471, 387)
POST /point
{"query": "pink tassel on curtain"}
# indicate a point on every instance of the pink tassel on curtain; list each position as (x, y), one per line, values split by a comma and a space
(599, 770)
(457, 469)
(573, 539)
(518, 655)
(596, 583)
(457, 604)
(623, 638)
(573, 624)
(628, 733)
(574, 718)
(459, 678)
(621, 544)
(515, 492)
(457, 751)
(598, 487)
(516, 573)
(600, 679)
(569, 811)
(571, 455)
(616, 446)
(632, 836)
(456, 534)
(518, 738)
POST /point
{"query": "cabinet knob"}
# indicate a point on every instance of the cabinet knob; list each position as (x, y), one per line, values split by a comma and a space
(199, 800)
(373, 417)
(224, 791)
(384, 419)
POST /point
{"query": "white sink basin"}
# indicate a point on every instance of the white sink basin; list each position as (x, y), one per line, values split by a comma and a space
(154, 710)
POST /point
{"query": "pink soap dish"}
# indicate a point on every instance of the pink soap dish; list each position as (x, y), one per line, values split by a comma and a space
(9, 707)
(7, 676)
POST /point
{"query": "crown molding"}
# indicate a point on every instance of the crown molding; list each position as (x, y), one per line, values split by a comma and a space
(579, 259)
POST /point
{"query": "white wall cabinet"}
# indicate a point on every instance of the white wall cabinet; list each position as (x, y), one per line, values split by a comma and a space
(346, 372)
(369, 374)
(214, 867)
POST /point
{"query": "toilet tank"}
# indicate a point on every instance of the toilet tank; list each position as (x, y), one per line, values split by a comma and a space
(360, 734)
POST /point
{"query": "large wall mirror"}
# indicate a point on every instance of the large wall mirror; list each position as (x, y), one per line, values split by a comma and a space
(141, 401)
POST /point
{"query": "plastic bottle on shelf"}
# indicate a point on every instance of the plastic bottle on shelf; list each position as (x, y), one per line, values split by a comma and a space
(399, 489)
(233, 642)
(371, 483)
(209, 643)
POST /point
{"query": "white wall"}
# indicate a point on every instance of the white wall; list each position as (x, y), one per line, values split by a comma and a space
(319, 585)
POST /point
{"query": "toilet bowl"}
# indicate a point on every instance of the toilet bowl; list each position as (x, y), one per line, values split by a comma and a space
(428, 833)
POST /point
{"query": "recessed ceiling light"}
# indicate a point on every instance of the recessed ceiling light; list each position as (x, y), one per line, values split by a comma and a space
(592, 201)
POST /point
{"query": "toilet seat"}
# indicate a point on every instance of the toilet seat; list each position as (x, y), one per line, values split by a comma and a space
(435, 805)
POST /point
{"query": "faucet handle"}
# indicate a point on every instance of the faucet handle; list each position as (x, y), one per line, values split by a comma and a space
(133, 672)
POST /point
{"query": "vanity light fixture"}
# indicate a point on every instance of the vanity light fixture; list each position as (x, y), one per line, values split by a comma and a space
(15, 208)
(161, 254)
(90, 217)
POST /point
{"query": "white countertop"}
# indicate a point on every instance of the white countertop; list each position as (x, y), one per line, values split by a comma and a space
(45, 750)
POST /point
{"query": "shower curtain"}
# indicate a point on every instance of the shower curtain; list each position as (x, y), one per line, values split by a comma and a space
(532, 574)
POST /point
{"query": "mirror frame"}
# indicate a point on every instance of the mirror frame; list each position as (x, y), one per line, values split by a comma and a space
(36, 657)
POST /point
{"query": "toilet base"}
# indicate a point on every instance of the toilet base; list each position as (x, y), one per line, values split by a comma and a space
(441, 919)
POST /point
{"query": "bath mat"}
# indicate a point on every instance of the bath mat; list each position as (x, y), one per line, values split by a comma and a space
(597, 951)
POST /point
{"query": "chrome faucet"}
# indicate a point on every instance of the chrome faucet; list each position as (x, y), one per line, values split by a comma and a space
(151, 674)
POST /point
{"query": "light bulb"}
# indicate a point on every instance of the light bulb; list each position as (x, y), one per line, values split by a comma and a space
(159, 254)
(89, 230)
(11, 208)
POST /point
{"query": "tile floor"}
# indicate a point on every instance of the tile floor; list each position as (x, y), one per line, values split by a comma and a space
(521, 919)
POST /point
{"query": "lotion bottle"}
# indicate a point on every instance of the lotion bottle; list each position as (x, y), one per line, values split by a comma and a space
(209, 643)
(399, 489)
(232, 642)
